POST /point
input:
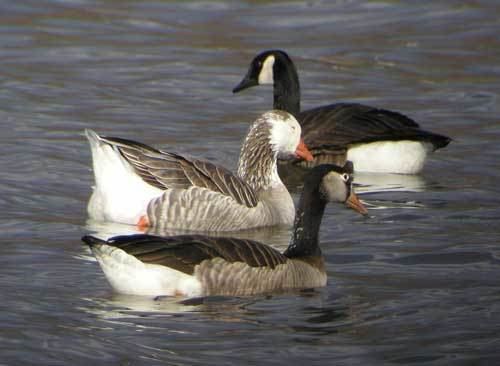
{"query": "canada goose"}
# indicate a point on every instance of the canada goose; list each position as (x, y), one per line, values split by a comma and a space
(195, 265)
(375, 140)
(140, 185)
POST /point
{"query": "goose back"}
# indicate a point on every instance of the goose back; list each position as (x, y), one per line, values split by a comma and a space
(341, 125)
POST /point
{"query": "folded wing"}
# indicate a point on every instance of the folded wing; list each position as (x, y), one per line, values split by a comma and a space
(184, 252)
(337, 126)
(166, 170)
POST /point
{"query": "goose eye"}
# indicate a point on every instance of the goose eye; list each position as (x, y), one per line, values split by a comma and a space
(345, 177)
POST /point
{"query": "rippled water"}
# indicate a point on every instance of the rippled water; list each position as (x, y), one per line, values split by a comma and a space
(415, 283)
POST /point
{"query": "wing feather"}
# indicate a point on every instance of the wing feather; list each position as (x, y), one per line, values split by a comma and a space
(167, 170)
(184, 252)
(336, 126)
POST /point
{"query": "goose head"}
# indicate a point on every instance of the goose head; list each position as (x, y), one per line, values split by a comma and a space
(264, 69)
(325, 183)
(285, 137)
(336, 186)
(274, 134)
(275, 67)
(330, 183)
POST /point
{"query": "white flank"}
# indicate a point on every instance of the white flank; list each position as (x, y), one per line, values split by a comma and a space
(266, 75)
(128, 275)
(120, 195)
(402, 157)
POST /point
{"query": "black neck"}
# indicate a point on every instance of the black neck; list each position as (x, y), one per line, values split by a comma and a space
(286, 87)
(308, 217)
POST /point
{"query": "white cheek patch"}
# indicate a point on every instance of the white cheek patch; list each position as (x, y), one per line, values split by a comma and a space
(266, 73)
(294, 137)
(285, 135)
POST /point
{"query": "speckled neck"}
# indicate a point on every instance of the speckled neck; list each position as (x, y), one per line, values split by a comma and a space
(257, 165)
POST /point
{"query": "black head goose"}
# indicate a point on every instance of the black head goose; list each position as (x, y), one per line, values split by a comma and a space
(140, 185)
(375, 140)
(195, 265)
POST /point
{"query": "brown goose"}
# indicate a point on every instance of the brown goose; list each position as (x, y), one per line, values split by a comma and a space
(375, 140)
(195, 265)
(137, 184)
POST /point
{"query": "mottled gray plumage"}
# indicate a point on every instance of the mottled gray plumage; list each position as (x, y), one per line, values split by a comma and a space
(184, 252)
(167, 170)
(257, 155)
(191, 194)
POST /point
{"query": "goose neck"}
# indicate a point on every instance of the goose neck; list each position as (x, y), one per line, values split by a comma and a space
(257, 164)
(308, 218)
(287, 89)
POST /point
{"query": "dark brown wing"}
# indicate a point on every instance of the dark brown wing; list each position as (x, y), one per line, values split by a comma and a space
(337, 126)
(164, 170)
(184, 252)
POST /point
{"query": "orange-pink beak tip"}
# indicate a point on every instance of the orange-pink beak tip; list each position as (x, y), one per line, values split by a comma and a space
(303, 152)
(354, 202)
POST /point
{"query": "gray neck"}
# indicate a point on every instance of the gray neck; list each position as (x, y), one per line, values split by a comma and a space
(257, 164)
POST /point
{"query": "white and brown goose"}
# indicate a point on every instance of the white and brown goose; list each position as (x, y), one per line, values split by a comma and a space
(375, 140)
(140, 185)
(195, 265)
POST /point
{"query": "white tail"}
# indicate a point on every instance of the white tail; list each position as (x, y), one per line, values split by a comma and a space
(120, 195)
(128, 275)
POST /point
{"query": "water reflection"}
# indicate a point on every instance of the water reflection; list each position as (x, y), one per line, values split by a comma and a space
(377, 182)
(293, 178)
(105, 229)
(277, 237)
(119, 306)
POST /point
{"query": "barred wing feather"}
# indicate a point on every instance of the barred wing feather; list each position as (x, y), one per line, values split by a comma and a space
(167, 170)
(184, 252)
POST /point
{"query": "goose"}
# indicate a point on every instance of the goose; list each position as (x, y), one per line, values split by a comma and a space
(197, 265)
(375, 140)
(140, 185)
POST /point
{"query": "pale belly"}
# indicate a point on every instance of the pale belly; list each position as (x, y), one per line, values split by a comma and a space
(403, 157)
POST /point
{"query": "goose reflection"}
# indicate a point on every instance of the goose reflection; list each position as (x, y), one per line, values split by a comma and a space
(293, 177)
(277, 237)
(380, 182)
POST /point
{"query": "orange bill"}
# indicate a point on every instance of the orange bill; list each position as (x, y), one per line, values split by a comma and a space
(143, 223)
(354, 203)
(303, 152)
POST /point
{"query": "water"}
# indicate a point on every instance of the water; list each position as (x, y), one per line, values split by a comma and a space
(415, 283)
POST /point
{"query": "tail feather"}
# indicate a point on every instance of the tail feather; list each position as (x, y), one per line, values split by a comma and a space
(92, 240)
(92, 136)
(440, 141)
(120, 194)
